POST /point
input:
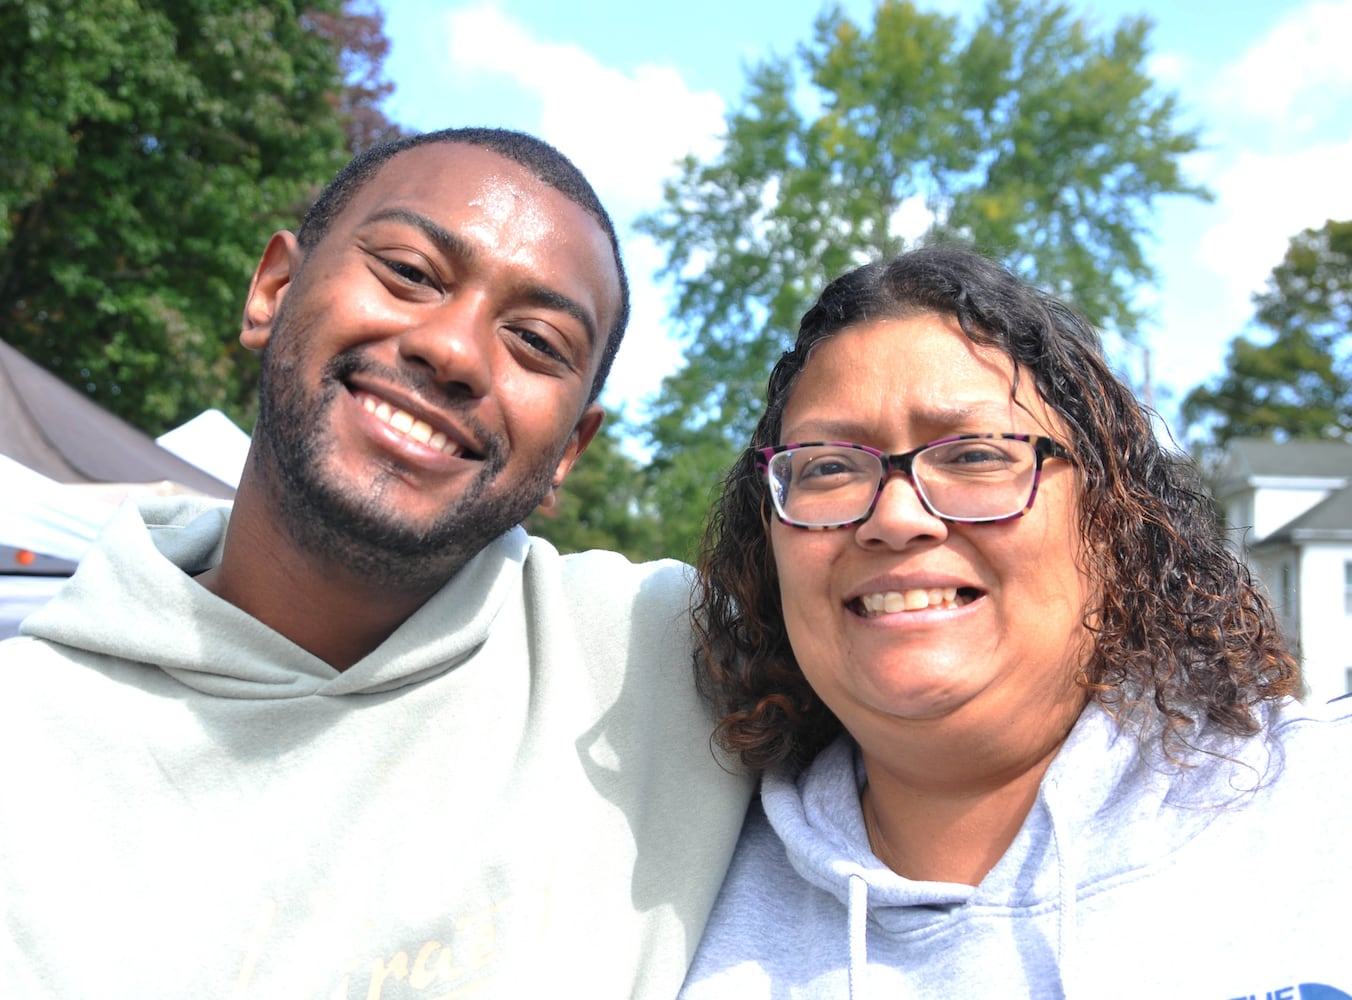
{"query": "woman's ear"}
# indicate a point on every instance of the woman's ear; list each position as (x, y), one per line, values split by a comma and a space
(278, 265)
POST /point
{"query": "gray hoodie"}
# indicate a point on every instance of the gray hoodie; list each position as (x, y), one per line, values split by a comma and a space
(1225, 880)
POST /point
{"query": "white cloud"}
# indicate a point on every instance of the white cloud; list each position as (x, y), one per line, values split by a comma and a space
(1280, 150)
(1168, 69)
(1265, 199)
(1297, 76)
(911, 219)
(624, 130)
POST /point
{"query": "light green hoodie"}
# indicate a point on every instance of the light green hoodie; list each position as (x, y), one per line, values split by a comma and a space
(512, 796)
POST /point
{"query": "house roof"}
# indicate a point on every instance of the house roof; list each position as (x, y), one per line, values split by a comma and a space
(58, 431)
(1253, 457)
(1327, 521)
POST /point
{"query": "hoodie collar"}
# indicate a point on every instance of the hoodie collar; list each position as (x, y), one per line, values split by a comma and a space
(138, 576)
(1103, 780)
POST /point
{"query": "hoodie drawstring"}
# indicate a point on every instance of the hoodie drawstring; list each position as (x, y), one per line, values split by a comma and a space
(858, 930)
(1067, 919)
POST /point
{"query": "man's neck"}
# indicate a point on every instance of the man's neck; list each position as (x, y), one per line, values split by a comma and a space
(319, 605)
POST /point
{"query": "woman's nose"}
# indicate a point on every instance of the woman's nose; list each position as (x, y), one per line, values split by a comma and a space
(899, 516)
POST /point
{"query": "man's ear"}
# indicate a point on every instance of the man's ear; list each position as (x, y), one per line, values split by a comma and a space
(587, 426)
(272, 277)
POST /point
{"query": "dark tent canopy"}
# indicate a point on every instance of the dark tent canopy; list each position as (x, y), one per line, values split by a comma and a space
(61, 433)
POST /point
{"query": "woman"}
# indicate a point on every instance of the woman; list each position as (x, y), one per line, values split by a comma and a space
(1025, 725)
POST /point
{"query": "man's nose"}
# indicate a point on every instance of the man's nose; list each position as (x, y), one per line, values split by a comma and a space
(456, 344)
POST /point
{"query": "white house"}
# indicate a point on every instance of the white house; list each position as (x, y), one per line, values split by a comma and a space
(1290, 505)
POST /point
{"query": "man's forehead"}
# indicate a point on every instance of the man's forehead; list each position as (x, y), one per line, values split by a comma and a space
(451, 177)
(454, 175)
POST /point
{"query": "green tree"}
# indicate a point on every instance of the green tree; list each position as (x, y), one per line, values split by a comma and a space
(1295, 380)
(1026, 134)
(357, 32)
(604, 504)
(150, 148)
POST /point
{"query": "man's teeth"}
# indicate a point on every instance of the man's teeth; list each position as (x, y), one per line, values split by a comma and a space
(918, 599)
(405, 423)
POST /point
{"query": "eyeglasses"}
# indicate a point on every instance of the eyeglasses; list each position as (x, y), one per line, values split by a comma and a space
(965, 479)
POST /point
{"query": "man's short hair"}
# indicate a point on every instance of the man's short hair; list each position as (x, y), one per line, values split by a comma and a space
(543, 161)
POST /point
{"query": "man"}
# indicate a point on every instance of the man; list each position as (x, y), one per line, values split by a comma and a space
(383, 744)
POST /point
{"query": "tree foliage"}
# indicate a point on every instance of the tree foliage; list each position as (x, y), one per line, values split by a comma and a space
(151, 146)
(357, 33)
(1026, 134)
(1294, 381)
(604, 504)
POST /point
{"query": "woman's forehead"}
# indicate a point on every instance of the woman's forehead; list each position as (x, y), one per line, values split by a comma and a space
(920, 375)
(921, 367)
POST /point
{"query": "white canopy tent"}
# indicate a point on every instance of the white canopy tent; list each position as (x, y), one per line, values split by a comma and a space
(65, 465)
(212, 442)
(39, 515)
(45, 529)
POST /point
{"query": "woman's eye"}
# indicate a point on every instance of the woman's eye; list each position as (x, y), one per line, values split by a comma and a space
(823, 468)
(973, 458)
(978, 456)
(827, 468)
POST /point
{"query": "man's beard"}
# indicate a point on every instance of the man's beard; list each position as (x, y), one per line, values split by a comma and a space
(354, 527)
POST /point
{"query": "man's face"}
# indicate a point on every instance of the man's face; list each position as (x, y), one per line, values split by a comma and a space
(428, 362)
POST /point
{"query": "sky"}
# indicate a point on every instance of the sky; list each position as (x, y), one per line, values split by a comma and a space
(626, 89)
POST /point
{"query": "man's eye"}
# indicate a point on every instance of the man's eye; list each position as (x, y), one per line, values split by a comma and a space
(413, 275)
(540, 345)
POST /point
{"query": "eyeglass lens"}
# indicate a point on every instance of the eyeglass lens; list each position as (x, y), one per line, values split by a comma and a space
(982, 479)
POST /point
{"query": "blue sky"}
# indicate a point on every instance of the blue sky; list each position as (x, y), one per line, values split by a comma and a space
(624, 89)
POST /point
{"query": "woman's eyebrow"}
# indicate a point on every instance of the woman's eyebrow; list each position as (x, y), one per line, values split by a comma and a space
(939, 416)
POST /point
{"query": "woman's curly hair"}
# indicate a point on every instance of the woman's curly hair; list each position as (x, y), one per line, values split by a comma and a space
(1181, 639)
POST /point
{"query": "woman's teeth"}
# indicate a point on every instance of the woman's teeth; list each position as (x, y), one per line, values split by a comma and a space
(918, 599)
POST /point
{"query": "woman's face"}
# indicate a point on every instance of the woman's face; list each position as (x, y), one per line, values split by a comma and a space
(998, 661)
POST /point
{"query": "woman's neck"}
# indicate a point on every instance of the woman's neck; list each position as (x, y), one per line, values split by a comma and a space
(947, 812)
(948, 838)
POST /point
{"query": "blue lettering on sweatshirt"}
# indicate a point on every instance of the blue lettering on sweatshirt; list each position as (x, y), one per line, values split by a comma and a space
(1305, 991)
(1318, 991)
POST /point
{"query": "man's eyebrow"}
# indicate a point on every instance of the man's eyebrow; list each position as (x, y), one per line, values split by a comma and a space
(453, 245)
(548, 298)
(447, 242)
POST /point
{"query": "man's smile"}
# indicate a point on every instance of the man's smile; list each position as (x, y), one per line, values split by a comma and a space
(405, 423)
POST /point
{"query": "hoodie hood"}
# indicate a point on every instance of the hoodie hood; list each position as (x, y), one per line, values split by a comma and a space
(1131, 876)
(1103, 779)
(1100, 785)
(133, 598)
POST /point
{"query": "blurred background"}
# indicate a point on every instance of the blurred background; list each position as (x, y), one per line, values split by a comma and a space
(1178, 171)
